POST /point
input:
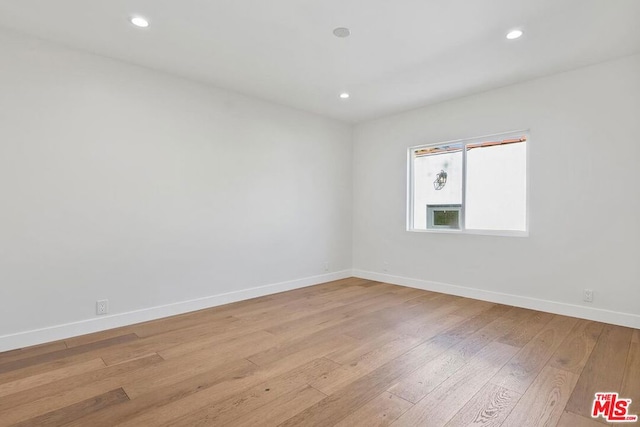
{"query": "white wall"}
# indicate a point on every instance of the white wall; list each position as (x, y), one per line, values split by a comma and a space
(123, 183)
(584, 194)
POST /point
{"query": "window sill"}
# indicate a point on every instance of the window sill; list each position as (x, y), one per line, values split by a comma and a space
(502, 233)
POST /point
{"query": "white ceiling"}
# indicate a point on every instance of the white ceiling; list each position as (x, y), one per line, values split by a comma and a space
(401, 54)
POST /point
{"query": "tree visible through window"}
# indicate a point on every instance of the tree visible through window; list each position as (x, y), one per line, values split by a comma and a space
(473, 184)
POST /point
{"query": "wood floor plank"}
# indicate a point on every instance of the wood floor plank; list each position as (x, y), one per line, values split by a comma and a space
(40, 368)
(239, 346)
(347, 355)
(443, 403)
(604, 369)
(50, 376)
(155, 343)
(55, 394)
(310, 353)
(47, 357)
(287, 311)
(305, 320)
(469, 307)
(323, 289)
(267, 306)
(281, 409)
(377, 357)
(216, 316)
(488, 408)
(328, 354)
(343, 402)
(368, 362)
(302, 310)
(569, 419)
(93, 404)
(521, 336)
(99, 336)
(520, 372)
(336, 315)
(219, 383)
(57, 398)
(543, 403)
(379, 412)
(36, 350)
(425, 324)
(471, 325)
(196, 410)
(357, 293)
(409, 316)
(630, 388)
(322, 342)
(574, 352)
(347, 399)
(164, 375)
(421, 382)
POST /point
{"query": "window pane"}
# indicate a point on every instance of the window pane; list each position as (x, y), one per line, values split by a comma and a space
(443, 216)
(496, 187)
(437, 180)
(446, 219)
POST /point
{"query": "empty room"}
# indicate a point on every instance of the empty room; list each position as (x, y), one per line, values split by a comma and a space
(319, 213)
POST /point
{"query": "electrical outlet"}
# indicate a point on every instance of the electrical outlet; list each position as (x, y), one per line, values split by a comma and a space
(325, 266)
(587, 295)
(385, 266)
(102, 307)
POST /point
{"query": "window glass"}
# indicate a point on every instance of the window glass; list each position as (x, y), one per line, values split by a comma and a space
(477, 184)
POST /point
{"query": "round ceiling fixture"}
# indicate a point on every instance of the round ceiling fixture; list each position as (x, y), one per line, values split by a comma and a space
(139, 21)
(344, 95)
(514, 34)
(342, 32)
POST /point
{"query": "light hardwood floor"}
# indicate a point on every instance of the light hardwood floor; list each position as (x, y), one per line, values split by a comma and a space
(348, 353)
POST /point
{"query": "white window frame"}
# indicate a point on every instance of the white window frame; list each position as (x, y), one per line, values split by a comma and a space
(462, 229)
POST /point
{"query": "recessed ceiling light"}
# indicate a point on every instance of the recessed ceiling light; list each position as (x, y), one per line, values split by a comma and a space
(342, 32)
(344, 95)
(514, 34)
(139, 21)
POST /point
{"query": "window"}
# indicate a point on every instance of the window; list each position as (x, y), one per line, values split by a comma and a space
(472, 185)
(443, 216)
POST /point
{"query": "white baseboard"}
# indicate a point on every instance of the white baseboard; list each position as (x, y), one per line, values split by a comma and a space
(68, 330)
(590, 313)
